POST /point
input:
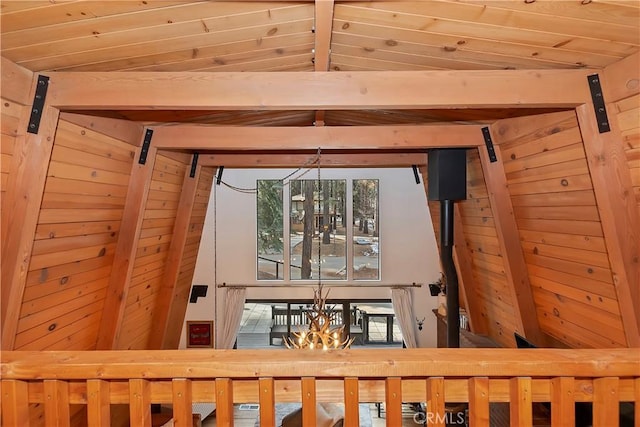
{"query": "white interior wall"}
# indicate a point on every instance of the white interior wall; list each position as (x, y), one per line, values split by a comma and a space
(408, 248)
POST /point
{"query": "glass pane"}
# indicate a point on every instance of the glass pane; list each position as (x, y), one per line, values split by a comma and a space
(366, 248)
(318, 231)
(270, 230)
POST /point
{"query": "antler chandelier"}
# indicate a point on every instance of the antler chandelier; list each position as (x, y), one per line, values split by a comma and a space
(321, 334)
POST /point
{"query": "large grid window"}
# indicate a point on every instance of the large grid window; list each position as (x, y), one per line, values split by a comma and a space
(323, 216)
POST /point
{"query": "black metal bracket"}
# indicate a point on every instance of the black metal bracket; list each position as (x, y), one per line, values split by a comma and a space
(416, 175)
(489, 143)
(145, 146)
(219, 177)
(598, 103)
(194, 164)
(38, 104)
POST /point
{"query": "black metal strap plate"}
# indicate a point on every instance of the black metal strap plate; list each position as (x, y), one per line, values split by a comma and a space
(489, 143)
(598, 103)
(38, 104)
(194, 164)
(416, 175)
(219, 177)
(145, 146)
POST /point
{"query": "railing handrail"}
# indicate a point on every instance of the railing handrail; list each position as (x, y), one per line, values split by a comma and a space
(364, 363)
(96, 380)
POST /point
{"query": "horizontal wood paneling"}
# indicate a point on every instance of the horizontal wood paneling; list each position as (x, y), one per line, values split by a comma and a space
(75, 240)
(491, 286)
(560, 231)
(628, 115)
(152, 250)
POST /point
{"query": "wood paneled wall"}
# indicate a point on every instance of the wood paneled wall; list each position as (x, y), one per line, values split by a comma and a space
(9, 122)
(628, 115)
(159, 215)
(559, 225)
(491, 287)
(75, 240)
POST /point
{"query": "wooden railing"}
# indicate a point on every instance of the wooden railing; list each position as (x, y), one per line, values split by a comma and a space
(99, 379)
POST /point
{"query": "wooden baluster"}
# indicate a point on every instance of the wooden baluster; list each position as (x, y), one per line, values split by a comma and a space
(56, 403)
(309, 402)
(478, 401)
(15, 403)
(606, 401)
(98, 403)
(351, 402)
(224, 402)
(140, 402)
(636, 405)
(267, 402)
(435, 413)
(393, 401)
(563, 411)
(520, 401)
(182, 402)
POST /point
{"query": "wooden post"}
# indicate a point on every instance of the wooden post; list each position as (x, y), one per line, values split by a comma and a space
(351, 402)
(182, 402)
(563, 411)
(606, 402)
(393, 401)
(56, 403)
(267, 401)
(140, 402)
(98, 402)
(15, 403)
(435, 415)
(224, 402)
(309, 409)
(520, 401)
(478, 402)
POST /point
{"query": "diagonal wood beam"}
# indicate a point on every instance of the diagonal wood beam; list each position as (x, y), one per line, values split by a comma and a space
(123, 263)
(169, 312)
(613, 189)
(622, 79)
(310, 138)
(318, 90)
(26, 182)
(515, 267)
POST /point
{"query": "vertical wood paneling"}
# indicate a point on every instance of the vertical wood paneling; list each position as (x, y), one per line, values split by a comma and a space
(98, 403)
(563, 411)
(393, 401)
(267, 401)
(556, 212)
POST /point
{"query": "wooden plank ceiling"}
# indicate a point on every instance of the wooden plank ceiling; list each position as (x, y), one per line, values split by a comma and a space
(307, 36)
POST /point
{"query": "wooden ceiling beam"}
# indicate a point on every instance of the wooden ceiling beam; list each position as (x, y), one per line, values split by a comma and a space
(318, 90)
(235, 138)
(288, 160)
